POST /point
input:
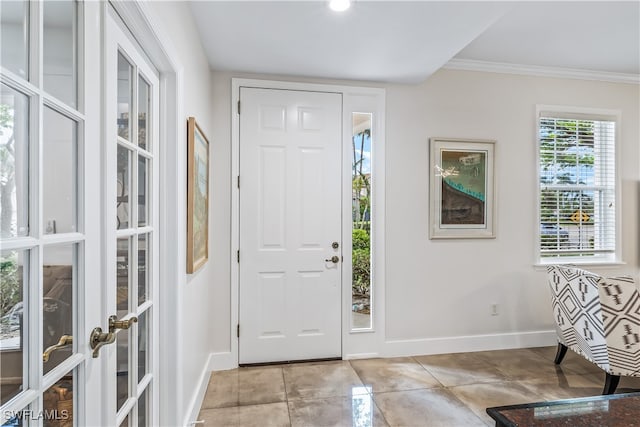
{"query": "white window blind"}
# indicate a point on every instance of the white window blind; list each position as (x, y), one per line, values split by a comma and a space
(577, 206)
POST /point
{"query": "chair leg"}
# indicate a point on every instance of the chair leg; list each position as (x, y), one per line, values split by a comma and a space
(610, 384)
(560, 353)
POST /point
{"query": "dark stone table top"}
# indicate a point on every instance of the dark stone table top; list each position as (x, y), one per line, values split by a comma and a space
(616, 410)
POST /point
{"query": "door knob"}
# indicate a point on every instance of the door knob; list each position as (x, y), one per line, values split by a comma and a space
(98, 339)
(334, 259)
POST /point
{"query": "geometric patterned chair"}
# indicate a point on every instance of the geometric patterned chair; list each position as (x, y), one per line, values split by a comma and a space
(598, 318)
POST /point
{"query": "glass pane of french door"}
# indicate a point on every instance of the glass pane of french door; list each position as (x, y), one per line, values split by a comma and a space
(14, 159)
(14, 268)
(59, 282)
(14, 37)
(59, 53)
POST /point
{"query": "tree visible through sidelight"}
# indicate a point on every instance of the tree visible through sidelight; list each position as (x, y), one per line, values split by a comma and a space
(361, 218)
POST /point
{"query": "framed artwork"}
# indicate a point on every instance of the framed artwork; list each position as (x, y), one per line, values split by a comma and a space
(462, 195)
(197, 197)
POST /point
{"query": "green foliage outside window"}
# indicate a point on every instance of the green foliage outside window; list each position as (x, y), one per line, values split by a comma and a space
(571, 152)
(9, 283)
(361, 191)
(361, 262)
(566, 158)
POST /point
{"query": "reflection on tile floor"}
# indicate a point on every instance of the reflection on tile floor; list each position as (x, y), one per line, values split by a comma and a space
(441, 390)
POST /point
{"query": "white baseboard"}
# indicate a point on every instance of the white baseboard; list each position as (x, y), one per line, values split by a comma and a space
(222, 361)
(462, 344)
(196, 402)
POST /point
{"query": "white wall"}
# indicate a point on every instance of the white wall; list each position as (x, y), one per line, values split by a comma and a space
(445, 288)
(196, 332)
(220, 212)
(439, 291)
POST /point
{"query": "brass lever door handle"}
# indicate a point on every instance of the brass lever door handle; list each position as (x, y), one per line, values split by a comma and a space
(65, 341)
(115, 324)
(98, 338)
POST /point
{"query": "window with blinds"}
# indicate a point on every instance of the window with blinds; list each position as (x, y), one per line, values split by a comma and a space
(577, 171)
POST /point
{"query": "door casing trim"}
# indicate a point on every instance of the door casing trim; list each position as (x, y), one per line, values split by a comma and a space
(354, 99)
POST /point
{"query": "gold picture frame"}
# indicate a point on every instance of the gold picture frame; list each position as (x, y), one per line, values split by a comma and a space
(197, 196)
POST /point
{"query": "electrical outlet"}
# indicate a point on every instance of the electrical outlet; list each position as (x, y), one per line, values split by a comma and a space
(494, 309)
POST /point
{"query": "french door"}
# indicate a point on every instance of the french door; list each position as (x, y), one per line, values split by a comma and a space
(131, 230)
(43, 226)
(78, 219)
(290, 225)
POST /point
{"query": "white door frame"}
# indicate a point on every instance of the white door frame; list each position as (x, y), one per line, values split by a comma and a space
(355, 344)
(156, 43)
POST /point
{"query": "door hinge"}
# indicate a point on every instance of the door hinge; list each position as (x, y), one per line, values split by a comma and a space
(238, 181)
(238, 107)
(238, 331)
(238, 255)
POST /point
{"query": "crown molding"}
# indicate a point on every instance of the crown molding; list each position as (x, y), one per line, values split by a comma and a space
(534, 70)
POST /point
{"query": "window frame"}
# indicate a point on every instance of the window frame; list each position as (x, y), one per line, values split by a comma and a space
(596, 114)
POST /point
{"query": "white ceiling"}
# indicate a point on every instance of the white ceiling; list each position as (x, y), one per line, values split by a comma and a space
(397, 41)
(595, 36)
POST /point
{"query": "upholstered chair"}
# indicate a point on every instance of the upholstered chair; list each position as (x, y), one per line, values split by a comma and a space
(598, 318)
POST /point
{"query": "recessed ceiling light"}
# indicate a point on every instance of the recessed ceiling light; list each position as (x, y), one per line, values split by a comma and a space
(339, 5)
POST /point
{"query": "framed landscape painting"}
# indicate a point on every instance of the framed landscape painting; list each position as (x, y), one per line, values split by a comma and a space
(197, 197)
(462, 195)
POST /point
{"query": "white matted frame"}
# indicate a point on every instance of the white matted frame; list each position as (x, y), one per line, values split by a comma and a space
(462, 196)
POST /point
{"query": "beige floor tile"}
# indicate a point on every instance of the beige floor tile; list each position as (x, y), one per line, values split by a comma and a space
(479, 397)
(499, 356)
(571, 362)
(245, 386)
(268, 415)
(626, 385)
(357, 410)
(548, 352)
(405, 391)
(460, 369)
(564, 386)
(427, 407)
(521, 364)
(577, 364)
(600, 378)
(321, 381)
(394, 374)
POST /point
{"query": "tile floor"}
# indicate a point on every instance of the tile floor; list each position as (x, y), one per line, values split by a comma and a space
(451, 390)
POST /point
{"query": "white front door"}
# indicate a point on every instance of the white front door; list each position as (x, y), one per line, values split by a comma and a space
(290, 225)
